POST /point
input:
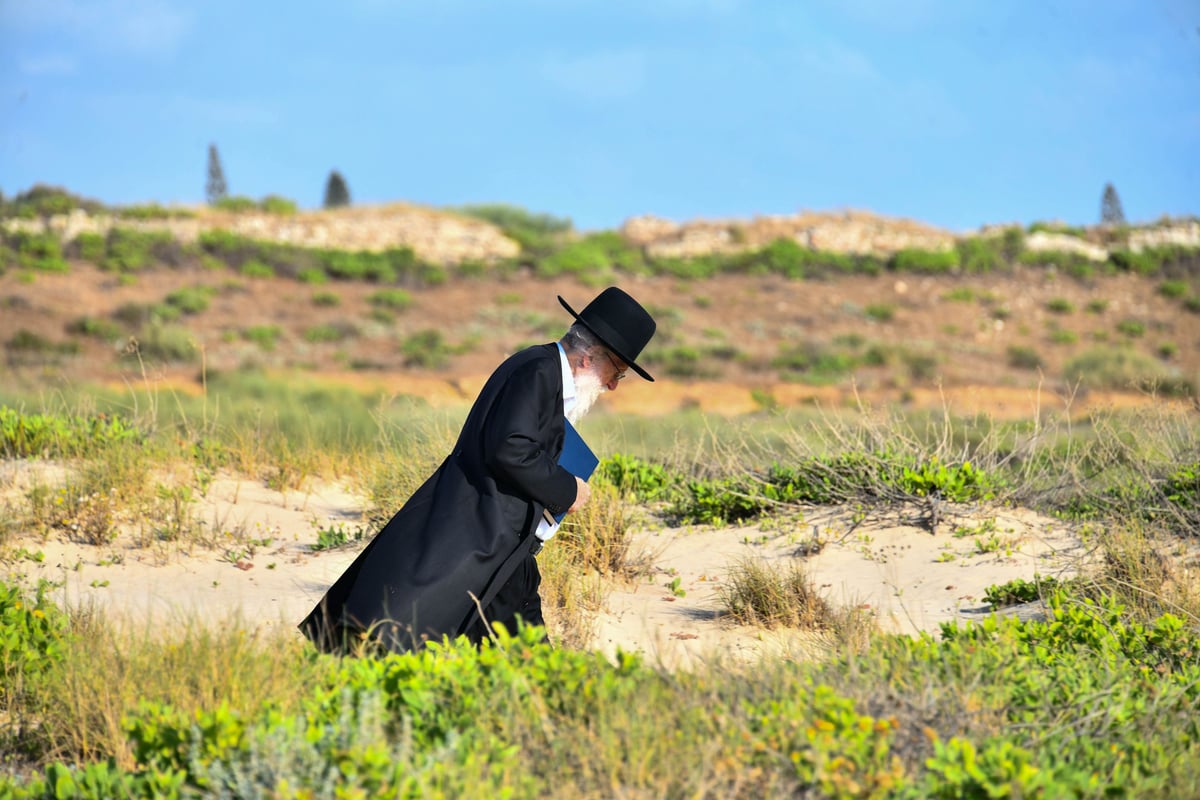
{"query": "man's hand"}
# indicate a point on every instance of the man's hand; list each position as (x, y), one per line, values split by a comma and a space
(582, 494)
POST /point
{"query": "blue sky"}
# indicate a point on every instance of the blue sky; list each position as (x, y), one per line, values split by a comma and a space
(954, 112)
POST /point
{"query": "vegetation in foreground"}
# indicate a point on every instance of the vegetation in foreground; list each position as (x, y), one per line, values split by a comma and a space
(1098, 699)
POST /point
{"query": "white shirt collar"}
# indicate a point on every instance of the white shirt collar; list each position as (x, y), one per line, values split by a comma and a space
(568, 380)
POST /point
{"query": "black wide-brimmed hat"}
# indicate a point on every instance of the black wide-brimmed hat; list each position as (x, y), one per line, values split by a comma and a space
(620, 323)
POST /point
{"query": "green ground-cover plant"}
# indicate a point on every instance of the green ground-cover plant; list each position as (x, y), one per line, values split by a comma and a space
(640, 480)
(24, 435)
(1019, 591)
(870, 478)
(1084, 704)
(337, 534)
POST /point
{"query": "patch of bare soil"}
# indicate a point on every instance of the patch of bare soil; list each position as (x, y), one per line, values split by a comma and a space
(997, 344)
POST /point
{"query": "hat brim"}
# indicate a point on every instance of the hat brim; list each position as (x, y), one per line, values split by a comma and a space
(604, 340)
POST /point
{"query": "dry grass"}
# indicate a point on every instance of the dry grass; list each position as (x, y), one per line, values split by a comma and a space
(589, 554)
(110, 667)
(760, 593)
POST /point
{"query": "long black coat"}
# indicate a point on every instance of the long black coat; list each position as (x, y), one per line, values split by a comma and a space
(417, 576)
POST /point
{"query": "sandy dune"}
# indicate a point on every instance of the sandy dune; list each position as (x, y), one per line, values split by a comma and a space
(263, 570)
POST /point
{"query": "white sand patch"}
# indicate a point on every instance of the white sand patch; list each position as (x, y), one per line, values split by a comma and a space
(261, 569)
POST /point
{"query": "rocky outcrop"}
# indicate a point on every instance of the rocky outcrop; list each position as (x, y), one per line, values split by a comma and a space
(1043, 241)
(434, 236)
(1182, 234)
(854, 232)
(446, 238)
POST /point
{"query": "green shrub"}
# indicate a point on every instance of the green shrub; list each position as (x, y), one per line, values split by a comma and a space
(90, 247)
(1144, 262)
(1121, 368)
(50, 435)
(537, 234)
(956, 483)
(274, 204)
(813, 361)
(394, 299)
(257, 269)
(164, 342)
(151, 211)
(1059, 305)
(593, 259)
(1019, 590)
(427, 349)
(1131, 328)
(880, 312)
(979, 254)
(961, 294)
(265, 336)
(1057, 227)
(236, 204)
(1073, 264)
(929, 262)
(191, 299)
(41, 252)
(29, 342)
(330, 332)
(312, 275)
(43, 200)
(633, 477)
(129, 250)
(326, 299)
(783, 257)
(103, 329)
(1173, 289)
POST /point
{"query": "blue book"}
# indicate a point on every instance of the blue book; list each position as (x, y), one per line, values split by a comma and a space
(576, 457)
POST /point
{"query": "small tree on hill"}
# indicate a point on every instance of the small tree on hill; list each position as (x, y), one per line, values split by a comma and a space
(1110, 207)
(337, 194)
(215, 189)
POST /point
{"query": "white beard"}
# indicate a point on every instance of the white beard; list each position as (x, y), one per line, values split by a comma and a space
(587, 388)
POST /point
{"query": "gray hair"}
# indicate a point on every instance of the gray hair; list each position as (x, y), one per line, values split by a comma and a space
(580, 339)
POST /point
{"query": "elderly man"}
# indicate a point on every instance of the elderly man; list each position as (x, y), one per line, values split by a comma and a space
(465, 542)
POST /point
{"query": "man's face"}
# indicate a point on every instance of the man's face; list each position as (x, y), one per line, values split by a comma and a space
(598, 374)
(619, 369)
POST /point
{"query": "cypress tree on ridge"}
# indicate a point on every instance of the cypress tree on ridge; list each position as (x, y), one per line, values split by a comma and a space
(337, 194)
(215, 189)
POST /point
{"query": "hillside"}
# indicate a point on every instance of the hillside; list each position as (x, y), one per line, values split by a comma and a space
(1003, 340)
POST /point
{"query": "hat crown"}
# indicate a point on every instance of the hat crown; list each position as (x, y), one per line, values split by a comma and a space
(620, 323)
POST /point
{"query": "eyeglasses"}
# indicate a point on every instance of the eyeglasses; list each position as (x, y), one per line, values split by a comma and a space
(613, 361)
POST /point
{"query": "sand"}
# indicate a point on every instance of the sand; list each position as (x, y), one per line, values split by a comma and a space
(262, 569)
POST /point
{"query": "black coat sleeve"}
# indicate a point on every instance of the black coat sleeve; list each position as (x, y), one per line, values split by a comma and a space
(527, 414)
